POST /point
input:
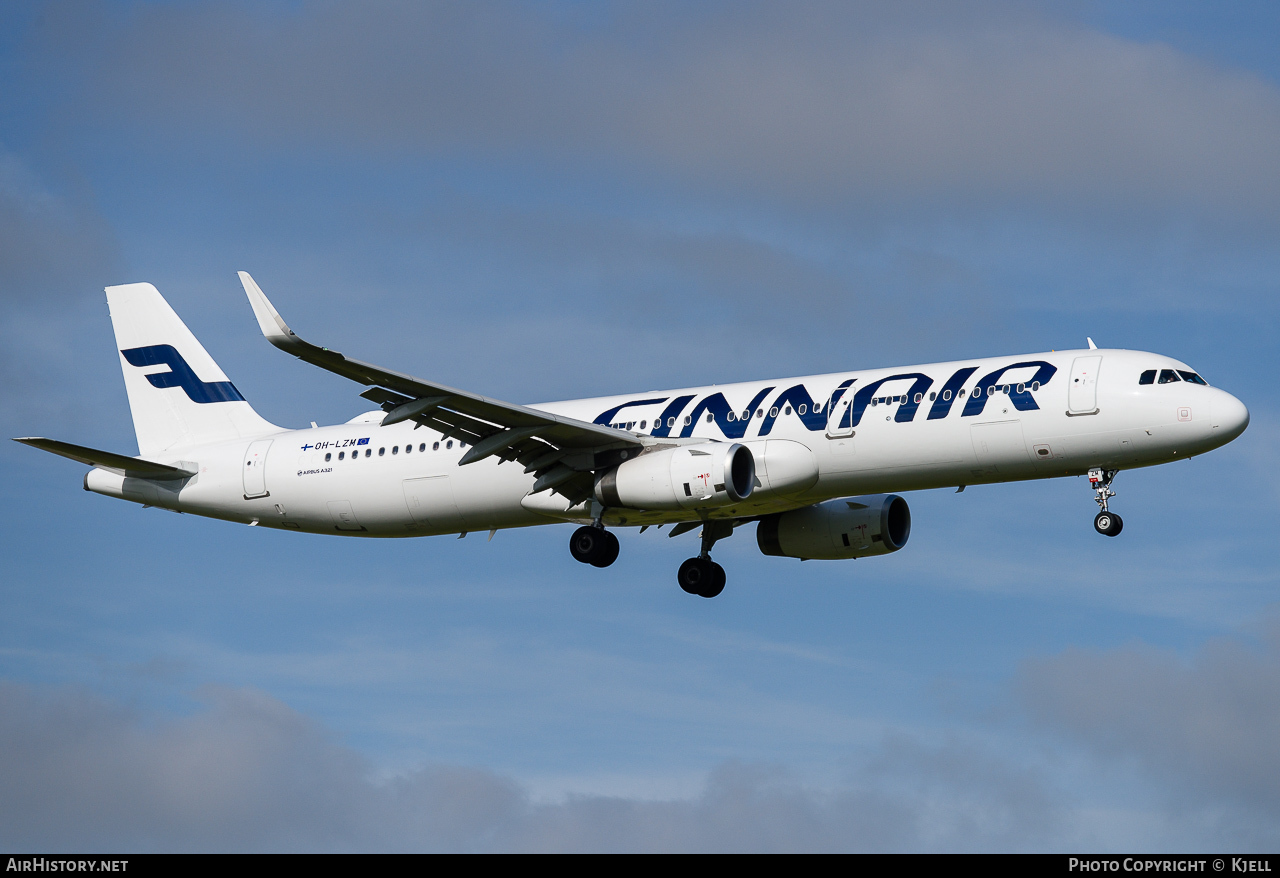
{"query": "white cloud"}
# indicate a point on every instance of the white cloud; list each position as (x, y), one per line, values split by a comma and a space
(248, 773)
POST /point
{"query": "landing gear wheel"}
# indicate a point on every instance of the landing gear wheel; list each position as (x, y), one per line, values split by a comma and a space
(589, 544)
(716, 585)
(692, 574)
(701, 576)
(609, 552)
(1108, 524)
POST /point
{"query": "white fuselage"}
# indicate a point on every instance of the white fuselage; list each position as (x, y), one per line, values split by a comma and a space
(362, 479)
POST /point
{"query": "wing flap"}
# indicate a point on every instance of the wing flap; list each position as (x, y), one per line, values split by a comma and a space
(129, 466)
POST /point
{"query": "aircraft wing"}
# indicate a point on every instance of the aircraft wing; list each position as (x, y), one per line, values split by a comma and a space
(130, 466)
(558, 449)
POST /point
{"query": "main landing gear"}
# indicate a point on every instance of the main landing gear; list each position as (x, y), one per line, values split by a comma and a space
(592, 544)
(701, 575)
(1106, 522)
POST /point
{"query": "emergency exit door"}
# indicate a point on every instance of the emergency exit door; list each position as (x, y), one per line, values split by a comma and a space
(255, 469)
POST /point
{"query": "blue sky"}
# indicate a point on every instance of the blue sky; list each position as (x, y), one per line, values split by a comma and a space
(545, 201)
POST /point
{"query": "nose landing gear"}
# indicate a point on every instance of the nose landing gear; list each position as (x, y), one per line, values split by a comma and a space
(592, 544)
(1105, 522)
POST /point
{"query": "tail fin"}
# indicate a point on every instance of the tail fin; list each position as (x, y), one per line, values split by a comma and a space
(188, 401)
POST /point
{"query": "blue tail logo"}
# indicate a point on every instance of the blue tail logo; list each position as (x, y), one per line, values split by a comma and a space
(180, 374)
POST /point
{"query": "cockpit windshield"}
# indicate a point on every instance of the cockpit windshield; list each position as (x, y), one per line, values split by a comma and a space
(1170, 376)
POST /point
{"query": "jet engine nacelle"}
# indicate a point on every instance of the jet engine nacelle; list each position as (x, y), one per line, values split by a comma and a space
(705, 475)
(852, 527)
(783, 467)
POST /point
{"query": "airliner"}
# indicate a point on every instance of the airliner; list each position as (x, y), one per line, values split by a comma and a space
(818, 463)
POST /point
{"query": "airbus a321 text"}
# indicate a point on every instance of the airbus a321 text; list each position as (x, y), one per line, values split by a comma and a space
(817, 462)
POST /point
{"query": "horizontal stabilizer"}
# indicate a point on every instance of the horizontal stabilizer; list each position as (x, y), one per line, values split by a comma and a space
(130, 466)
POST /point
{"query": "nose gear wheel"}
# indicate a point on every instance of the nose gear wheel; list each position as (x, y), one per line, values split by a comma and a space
(1108, 524)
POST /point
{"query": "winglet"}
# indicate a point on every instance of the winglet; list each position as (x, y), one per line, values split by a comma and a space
(269, 319)
(1092, 346)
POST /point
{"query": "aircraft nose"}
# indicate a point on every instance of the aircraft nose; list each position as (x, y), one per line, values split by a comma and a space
(1230, 416)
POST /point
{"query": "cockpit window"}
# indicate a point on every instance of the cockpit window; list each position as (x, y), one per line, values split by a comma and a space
(1148, 377)
(1168, 376)
(1192, 377)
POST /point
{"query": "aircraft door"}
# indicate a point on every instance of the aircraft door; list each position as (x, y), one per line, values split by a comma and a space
(255, 469)
(839, 423)
(344, 518)
(1082, 392)
(1000, 446)
(431, 503)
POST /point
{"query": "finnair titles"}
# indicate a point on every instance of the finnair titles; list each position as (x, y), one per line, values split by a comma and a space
(818, 463)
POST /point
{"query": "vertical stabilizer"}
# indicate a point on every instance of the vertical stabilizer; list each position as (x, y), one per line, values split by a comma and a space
(178, 395)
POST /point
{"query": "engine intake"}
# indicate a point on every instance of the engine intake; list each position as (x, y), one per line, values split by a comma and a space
(852, 527)
(708, 474)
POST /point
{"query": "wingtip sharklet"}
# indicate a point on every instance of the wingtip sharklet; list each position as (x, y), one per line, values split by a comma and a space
(269, 319)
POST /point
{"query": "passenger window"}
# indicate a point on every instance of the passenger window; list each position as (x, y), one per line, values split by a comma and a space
(875, 400)
(786, 410)
(773, 412)
(381, 451)
(801, 410)
(435, 446)
(671, 422)
(710, 417)
(422, 446)
(732, 416)
(342, 455)
(946, 394)
(1035, 385)
(395, 449)
(643, 424)
(759, 413)
(408, 448)
(1193, 378)
(1148, 377)
(448, 444)
(961, 393)
(1168, 376)
(1022, 388)
(368, 452)
(919, 397)
(328, 457)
